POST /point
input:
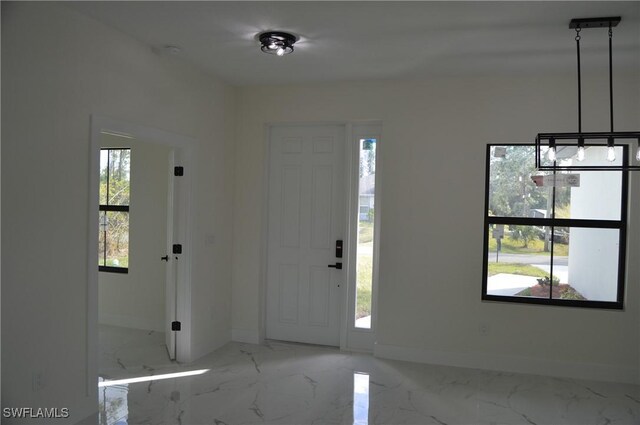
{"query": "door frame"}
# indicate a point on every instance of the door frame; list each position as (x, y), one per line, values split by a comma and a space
(348, 147)
(186, 147)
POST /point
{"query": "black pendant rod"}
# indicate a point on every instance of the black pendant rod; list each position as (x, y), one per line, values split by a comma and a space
(579, 82)
(610, 78)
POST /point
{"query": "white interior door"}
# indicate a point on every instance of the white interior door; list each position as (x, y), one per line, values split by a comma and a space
(306, 217)
(171, 282)
(178, 276)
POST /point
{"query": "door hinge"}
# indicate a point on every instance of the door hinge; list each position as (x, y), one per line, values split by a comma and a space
(175, 325)
(177, 248)
(178, 171)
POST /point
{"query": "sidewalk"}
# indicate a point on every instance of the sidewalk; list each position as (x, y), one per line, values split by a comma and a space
(509, 284)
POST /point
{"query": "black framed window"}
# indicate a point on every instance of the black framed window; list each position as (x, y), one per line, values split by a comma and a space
(554, 237)
(115, 189)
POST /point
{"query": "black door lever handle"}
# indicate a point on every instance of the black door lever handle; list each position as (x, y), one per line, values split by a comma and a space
(165, 258)
(336, 266)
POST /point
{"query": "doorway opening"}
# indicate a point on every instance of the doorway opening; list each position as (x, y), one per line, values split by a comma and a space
(133, 262)
(138, 297)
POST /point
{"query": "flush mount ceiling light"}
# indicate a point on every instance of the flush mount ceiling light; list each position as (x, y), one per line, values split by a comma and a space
(560, 147)
(277, 42)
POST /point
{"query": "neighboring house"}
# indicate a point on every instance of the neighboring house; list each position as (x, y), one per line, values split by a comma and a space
(593, 253)
(367, 191)
(538, 213)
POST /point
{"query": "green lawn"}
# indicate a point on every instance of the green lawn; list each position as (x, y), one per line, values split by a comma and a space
(365, 232)
(364, 273)
(536, 246)
(516, 268)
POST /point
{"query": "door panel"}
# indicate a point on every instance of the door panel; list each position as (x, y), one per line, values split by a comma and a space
(172, 266)
(290, 216)
(321, 202)
(319, 295)
(288, 293)
(176, 264)
(306, 217)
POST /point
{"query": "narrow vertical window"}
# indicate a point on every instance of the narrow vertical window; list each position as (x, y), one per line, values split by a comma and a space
(113, 235)
(366, 232)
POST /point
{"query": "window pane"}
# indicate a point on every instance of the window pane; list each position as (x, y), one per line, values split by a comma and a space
(102, 221)
(512, 192)
(600, 192)
(516, 261)
(364, 250)
(586, 263)
(104, 170)
(119, 173)
(117, 236)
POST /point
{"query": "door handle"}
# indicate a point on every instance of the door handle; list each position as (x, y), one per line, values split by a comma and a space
(336, 266)
(165, 258)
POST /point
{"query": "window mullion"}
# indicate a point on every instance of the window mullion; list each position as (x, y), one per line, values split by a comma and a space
(120, 208)
(559, 222)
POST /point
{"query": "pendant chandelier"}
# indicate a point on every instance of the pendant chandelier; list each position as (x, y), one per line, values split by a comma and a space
(567, 151)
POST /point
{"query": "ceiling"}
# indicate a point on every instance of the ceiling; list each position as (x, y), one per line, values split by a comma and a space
(346, 41)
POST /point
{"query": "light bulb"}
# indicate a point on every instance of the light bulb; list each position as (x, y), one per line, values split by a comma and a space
(552, 154)
(280, 51)
(611, 154)
(581, 153)
(273, 46)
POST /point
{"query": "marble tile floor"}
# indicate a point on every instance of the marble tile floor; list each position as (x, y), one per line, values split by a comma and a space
(287, 383)
(132, 350)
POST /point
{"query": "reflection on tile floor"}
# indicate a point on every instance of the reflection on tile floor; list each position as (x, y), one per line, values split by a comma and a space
(113, 407)
(360, 398)
(282, 383)
(130, 350)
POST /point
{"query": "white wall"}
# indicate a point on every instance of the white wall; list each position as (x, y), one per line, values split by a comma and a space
(59, 67)
(137, 299)
(432, 185)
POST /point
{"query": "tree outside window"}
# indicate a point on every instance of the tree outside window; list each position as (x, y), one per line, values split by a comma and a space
(115, 186)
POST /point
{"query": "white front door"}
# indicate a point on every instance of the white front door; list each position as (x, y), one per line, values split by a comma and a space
(306, 217)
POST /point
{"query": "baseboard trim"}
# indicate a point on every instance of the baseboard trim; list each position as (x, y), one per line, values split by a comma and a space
(130, 322)
(245, 335)
(515, 364)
